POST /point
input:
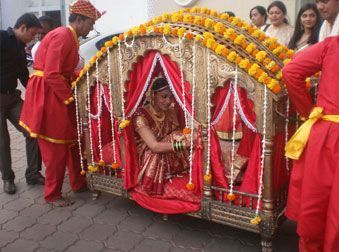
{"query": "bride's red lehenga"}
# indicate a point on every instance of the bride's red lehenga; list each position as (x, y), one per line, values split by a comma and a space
(156, 169)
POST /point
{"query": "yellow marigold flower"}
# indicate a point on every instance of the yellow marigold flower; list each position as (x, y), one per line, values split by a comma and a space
(109, 43)
(278, 76)
(214, 13)
(244, 63)
(232, 56)
(239, 39)
(156, 20)
(210, 42)
(208, 23)
(219, 27)
(286, 61)
(115, 40)
(93, 60)
(181, 32)
(219, 49)
(256, 220)
(167, 29)
(124, 124)
(270, 65)
(203, 10)
(290, 53)
(272, 83)
(176, 17)
(187, 18)
(74, 83)
(235, 21)
(194, 9)
(165, 17)
(149, 28)
(208, 35)
(256, 33)
(278, 50)
(253, 69)
(224, 16)
(197, 20)
(250, 48)
(98, 54)
(135, 31)
(245, 26)
(198, 38)
(262, 77)
(260, 56)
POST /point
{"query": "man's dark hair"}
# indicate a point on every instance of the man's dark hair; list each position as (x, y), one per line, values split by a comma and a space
(29, 20)
(230, 13)
(73, 17)
(48, 20)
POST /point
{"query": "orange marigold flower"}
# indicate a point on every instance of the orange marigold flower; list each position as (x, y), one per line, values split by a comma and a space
(224, 52)
(115, 166)
(275, 69)
(276, 89)
(101, 162)
(83, 172)
(121, 37)
(190, 186)
(189, 36)
(208, 178)
(109, 43)
(230, 196)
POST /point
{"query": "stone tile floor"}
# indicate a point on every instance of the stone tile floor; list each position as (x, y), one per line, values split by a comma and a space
(110, 223)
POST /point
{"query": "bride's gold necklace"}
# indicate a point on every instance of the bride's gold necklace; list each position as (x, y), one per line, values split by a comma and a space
(157, 116)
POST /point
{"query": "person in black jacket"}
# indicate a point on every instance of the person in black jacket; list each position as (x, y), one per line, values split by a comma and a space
(13, 67)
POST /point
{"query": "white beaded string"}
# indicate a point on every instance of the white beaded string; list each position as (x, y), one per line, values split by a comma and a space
(263, 150)
(121, 83)
(192, 115)
(89, 116)
(182, 80)
(209, 105)
(79, 126)
(129, 45)
(235, 85)
(111, 104)
(286, 132)
(169, 43)
(99, 96)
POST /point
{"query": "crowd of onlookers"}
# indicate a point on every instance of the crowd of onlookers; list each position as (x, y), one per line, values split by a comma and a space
(307, 28)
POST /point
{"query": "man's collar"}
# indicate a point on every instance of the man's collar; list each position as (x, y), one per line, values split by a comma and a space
(10, 31)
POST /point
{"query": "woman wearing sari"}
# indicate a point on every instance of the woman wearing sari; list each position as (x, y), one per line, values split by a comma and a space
(161, 146)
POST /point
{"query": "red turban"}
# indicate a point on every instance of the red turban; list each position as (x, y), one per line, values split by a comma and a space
(85, 8)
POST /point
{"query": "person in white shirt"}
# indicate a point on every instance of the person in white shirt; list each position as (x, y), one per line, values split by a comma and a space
(329, 10)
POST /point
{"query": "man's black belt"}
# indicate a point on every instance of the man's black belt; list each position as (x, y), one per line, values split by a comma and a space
(7, 91)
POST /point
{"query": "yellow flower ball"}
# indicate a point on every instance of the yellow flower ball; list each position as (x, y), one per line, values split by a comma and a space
(253, 69)
(197, 20)
(149, 29)
(244, 63)
(286, 61)
(219, 49)
(270, 65)
(209, 23)
(99, 54)
(115, 40)
(176, 17)
(109, 43)
(165, 17)
(260, 56)
(181, 32)
(250, 47)
(262, 77)
(124, 124)
(272, 84)
(290, 53)
(278, 50)
(278, 76)
(224, 16)
(239, 39)
(256, 220)
(167, 29)
(156, 20)
(219, 27)
(73, 85)
(136, 31)
(93, 60)
(210, 43)
(208, 35)
(187, 18)
(232, 56)
(235, 21)
(198, 38)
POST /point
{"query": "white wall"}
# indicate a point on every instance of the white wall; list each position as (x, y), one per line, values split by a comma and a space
(10, 11)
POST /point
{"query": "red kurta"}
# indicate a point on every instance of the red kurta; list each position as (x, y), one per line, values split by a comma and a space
(314, 186)
(44, 112)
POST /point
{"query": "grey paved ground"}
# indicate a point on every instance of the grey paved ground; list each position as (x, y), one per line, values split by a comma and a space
(110, 224)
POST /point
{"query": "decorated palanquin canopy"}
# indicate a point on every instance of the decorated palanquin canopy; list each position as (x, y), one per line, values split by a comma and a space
(121, 72)
(240, 43)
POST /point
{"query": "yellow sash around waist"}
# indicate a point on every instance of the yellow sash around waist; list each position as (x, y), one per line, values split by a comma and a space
(38, 73)
(295, 146)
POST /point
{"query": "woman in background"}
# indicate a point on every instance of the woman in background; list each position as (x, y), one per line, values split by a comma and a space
(307, 27)
(279, 28)
(258, 16)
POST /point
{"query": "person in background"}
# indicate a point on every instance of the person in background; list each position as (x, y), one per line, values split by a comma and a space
(329, 11)
(306, 30)
(314, 186)
(47, 24)
(13, 67)
(258, 16)
(230, 13)
(50, 116)
(279, 28)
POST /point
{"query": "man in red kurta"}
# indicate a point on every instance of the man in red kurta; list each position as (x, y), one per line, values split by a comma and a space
(314, 186)
(49, 111)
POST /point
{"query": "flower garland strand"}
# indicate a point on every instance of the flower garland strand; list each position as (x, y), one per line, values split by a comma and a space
(190, 184)
(124, 121)
(115, 165)
(286, 132)
(92, 167)
(209, 105)
(79, 126)
(231, 195)
(99, 101)
(182, 80)
(256, 220)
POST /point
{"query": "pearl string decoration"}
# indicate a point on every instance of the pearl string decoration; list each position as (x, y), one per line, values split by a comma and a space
(79, 126)
(209, 105)
(256, 220)
(115, 164)
(99, 97)
(92, 167)
(182, 80)
(121, 83)
(287, 120)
